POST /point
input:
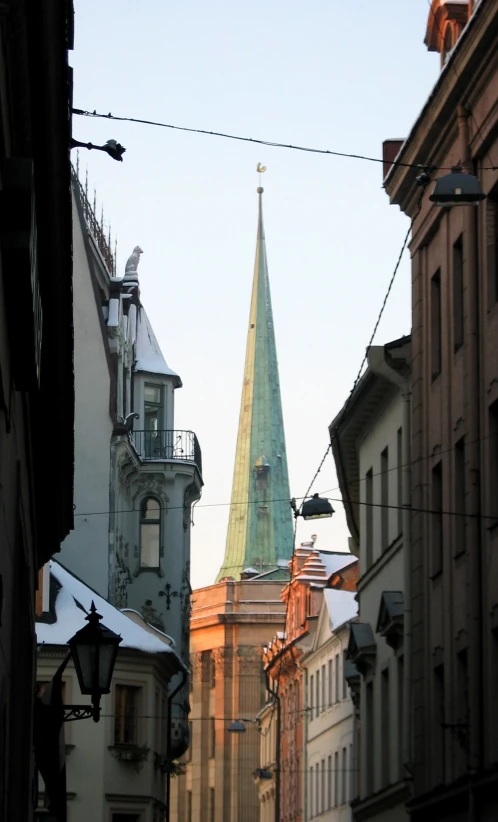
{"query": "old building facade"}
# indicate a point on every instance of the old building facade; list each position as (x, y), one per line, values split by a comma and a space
(136, 476)
(36, 347)
(229, 626)
(454, 401)
(371, 445)
(116, 768)
(329, 761)
(312, 571)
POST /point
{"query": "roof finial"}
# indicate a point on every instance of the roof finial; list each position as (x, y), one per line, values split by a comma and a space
(260, 168)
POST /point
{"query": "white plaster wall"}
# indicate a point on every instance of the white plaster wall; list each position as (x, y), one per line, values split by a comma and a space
(85, 550)
(92, 771)
(330, 731)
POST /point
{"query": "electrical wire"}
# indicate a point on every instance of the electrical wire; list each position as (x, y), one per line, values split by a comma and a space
(269, 143)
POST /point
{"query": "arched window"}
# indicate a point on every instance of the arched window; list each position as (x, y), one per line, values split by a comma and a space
(150, 533)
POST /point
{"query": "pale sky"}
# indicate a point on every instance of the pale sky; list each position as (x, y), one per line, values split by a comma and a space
(325, 74)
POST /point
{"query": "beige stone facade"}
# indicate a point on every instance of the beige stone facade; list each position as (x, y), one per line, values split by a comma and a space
(231, 622)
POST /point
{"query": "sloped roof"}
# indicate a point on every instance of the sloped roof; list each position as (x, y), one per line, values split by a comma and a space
(148, 355)
(320, 565)
(342, 606)
(73, 601)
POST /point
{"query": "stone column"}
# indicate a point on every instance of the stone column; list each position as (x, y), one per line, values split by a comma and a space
(200, 735)
(249, 680)
(223, 675)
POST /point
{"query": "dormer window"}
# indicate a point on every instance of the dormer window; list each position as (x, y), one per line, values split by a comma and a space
(150, 533)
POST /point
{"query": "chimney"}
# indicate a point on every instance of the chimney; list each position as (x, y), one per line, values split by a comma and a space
(390, 150)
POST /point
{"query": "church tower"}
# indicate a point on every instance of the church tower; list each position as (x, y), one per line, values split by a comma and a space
(260, 530)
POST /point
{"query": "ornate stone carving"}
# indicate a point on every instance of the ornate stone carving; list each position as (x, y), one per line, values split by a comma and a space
(190, 496)
(195, 666)
(151, 484)
(249, 660)
(222, 659)
(122, 578)
(151, 615)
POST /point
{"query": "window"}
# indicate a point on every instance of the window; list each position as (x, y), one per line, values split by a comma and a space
(344, 775)
(126, 715)
(189, 807)
(369, 517)
(212, 736)
(323, 805)
(329, 783)
(211, 672)
(331, 683)
(385, 728)
(369, 737)
(458, 294)
(492, 245)
(211, 805)
(312, 696)
(462, 717)
(344, 680)
(384, 499)
(401, 702)
(153, 407)
(337, 678)
(312, 796)
(150, 533)
(188, 755)
(317, 789)
(493, 459)
(436, 325)
(399, 472)
(324, 685)
(125, 817)
(438, 758)
(336, 779)
(351, 779)
(460, 497)
(318, 708)
(436, 519)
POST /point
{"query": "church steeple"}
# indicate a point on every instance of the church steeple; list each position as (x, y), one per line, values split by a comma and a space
(260, 532)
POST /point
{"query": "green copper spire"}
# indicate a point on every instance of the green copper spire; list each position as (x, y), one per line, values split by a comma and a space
(260, 531)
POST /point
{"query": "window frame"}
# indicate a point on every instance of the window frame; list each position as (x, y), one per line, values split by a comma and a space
(160, 406)
(137, 688)
(145, 522)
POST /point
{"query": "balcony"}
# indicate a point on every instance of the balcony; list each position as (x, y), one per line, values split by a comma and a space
(168, 445)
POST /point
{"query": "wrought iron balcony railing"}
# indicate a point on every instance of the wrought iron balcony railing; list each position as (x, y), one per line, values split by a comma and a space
(168, 445)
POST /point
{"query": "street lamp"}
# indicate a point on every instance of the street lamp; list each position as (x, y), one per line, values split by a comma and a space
(457, 189)
(314, 508)
(94, 649)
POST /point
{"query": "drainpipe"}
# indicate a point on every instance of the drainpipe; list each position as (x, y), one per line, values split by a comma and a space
(171, 697)
(473, 523)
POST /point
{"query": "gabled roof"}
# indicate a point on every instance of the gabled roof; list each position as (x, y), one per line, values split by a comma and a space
(342, 607)
(321, 565)
(362, 647)
(72, 603)
(390, 619)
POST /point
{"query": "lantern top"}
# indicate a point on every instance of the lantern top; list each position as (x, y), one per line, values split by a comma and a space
(316, 508)
(457, 189)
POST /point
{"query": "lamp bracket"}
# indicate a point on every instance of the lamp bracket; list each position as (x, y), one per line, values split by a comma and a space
(74, 712)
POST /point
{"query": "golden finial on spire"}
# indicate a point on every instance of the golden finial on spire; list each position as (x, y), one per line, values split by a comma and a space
(260, 168)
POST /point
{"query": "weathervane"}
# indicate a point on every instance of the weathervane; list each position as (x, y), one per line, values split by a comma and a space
(260, 168)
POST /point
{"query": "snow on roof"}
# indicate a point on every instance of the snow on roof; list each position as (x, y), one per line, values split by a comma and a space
(342, 606)
(337, 560)
(74, 596)
(149, 356)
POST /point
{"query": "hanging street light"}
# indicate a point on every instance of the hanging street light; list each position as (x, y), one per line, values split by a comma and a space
(238, 726)
(94, 649)
(457, 189)
(314, 508)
